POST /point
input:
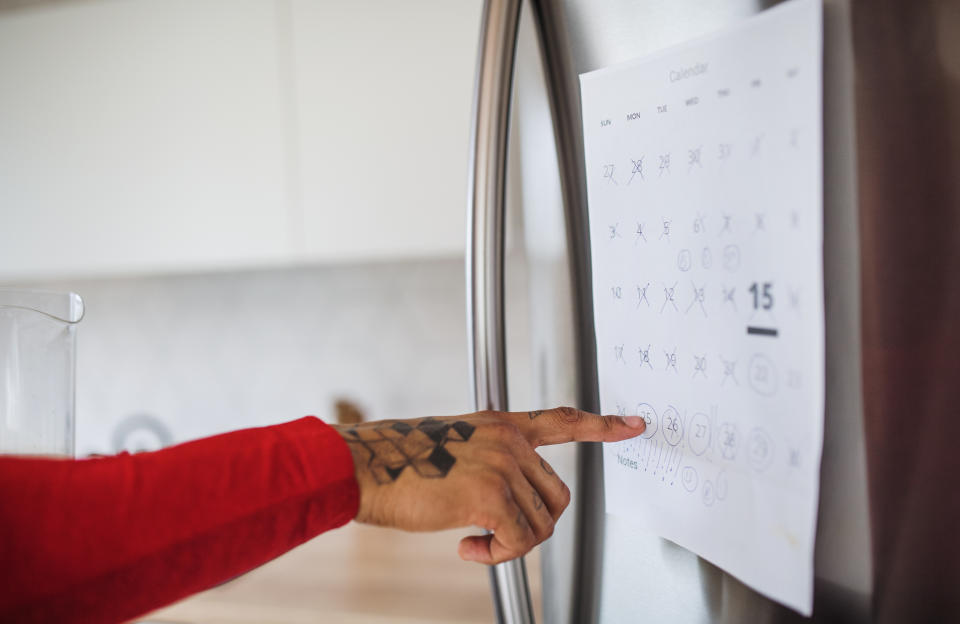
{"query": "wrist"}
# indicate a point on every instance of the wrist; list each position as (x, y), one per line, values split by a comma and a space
(361, 473)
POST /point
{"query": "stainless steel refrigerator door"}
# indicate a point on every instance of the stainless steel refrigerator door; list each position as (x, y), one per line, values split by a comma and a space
(596, 567)
(485, 244)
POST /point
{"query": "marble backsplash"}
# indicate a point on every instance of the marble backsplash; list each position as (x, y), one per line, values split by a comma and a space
(164, 359)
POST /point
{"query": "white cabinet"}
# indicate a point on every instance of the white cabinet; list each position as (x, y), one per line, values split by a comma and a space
(140, 136)
(384, 94)
(166, 136)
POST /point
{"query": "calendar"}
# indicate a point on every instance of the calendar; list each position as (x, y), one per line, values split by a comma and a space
(704, 173)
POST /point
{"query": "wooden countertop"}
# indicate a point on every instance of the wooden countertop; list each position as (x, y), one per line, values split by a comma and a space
(354, 574)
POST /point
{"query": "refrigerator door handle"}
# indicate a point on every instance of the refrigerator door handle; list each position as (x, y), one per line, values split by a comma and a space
(485, 222)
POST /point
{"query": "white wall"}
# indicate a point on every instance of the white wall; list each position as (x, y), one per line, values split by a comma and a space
(206, 353)
(142, 136)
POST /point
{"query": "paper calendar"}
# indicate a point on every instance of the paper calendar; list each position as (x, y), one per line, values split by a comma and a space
(704, 170)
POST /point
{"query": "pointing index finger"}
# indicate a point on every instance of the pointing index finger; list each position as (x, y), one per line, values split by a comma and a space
(568, 424)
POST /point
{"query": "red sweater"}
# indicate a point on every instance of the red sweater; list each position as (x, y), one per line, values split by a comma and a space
(108, 539)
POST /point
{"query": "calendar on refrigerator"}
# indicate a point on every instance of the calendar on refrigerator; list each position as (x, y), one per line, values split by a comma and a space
(704, 173)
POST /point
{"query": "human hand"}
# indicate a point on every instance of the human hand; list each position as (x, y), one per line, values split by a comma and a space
(479, 469)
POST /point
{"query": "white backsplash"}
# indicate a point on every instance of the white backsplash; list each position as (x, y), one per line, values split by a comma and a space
(172, 358)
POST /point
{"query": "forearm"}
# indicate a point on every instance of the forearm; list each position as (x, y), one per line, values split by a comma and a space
(107, 539)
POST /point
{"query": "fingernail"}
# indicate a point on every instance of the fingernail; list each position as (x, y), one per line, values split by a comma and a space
(637, 422)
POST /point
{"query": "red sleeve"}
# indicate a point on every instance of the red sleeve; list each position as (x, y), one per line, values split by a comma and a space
(108, 539)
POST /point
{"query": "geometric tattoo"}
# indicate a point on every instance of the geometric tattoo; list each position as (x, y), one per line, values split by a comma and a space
(393, 445)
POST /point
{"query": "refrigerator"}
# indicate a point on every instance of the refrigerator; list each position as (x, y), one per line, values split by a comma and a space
(527, 211)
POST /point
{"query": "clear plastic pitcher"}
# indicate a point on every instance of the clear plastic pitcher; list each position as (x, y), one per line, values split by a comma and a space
(37, 371)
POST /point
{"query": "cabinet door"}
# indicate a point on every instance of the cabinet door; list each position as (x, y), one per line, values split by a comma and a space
(383, 102)
(145, 135)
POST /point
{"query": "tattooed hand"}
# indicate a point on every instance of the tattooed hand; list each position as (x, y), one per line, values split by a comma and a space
(475, 470)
